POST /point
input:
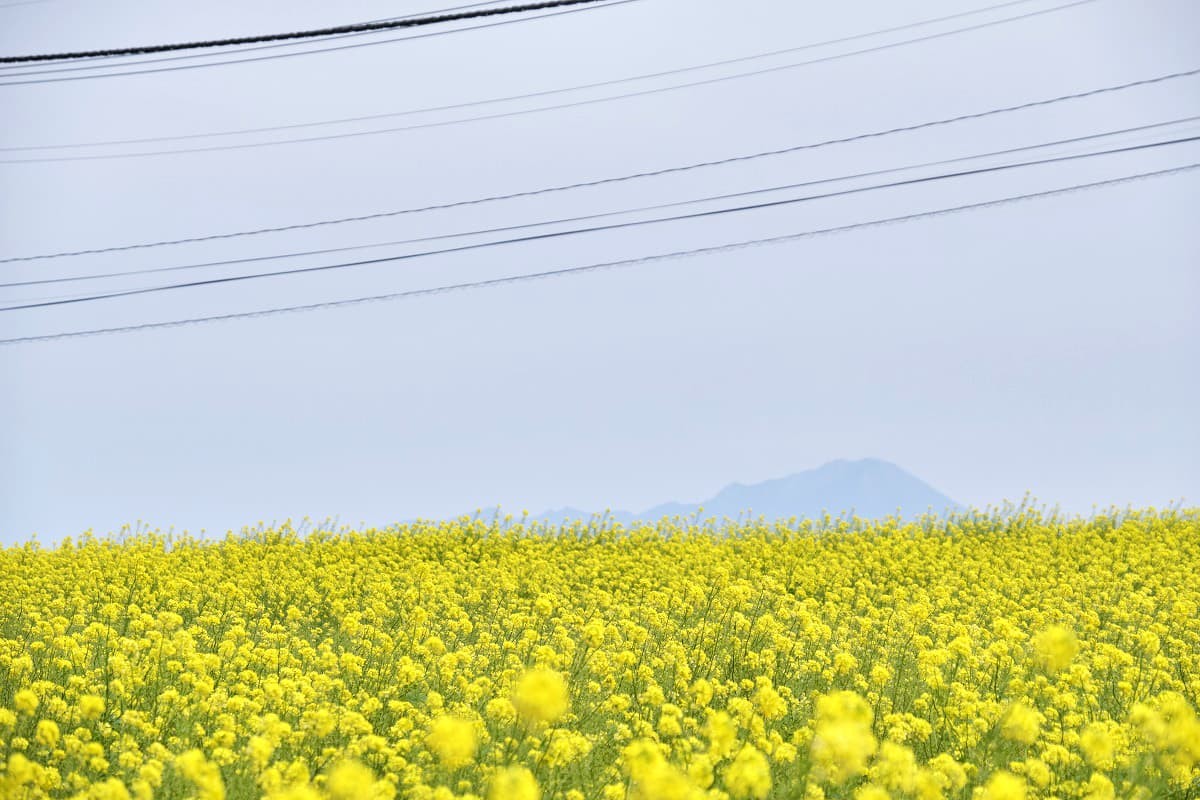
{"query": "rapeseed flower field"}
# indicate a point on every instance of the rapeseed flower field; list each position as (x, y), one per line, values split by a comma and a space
(994, 656)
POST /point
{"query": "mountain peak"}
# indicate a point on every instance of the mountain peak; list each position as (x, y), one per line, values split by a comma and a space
(868, 487)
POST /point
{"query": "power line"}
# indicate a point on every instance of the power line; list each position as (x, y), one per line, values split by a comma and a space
(617, 179)
(881, 31)
(568, 271)
(272, 57)
(388, 41)
(98, 63)
(593, 229)
(574, 104)
(602, 215)
(360, 27)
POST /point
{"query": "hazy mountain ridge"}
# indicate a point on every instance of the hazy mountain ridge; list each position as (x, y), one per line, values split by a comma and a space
(869, 487)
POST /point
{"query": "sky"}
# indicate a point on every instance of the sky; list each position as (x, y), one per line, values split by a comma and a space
(1047, 346)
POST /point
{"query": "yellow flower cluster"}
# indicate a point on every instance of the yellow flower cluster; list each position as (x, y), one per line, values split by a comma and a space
(1001, 656)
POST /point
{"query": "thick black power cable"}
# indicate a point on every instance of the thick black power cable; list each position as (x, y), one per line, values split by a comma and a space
(101, 63)
(569, 271)
(519, 20)
(593, 229)
(359, 27)
(388, 41)
(94, 66)
(541, 109)
(293, 54)
(617, 179)
(602, 215)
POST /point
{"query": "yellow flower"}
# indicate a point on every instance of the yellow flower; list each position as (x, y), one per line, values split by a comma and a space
(259, 749)
(295, 792)
(514, 783)
(666, 661)
(930, 785)
(613, 791)
(769, 703)
(593, 633)
(349, 780)
(721, 731)
(1021, 724)
(151, 772)
(501, 709)
(668, 725)
(453, 740)
(639, 756)
(47, 733)
(1055, 647)
(206, 776)
(110, 789)
(1003, 786)
(540, 696)
(880, 674)
(1099, 788)
(843, 742)
(700, 771)
(1098, 745)
(91, 706)
(749, 775)
(895, 768)
(953, 772)
(25, 701)
(19, 771)
(651, 777)
(1038, 772)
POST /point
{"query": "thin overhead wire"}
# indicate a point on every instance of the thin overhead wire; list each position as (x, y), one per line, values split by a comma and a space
(581, 270)
(10, 70)
(193, 284)
(92, 66)
(359, 27)
(603, 215)
(617, 179)
(272, 57)
(777, 68)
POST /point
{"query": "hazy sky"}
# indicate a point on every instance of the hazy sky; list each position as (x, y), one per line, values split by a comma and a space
(1048, 346)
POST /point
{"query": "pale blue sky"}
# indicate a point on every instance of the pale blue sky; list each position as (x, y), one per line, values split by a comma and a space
(1046, 346)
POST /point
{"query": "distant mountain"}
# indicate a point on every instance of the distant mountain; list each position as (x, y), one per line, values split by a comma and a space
(869, 487)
